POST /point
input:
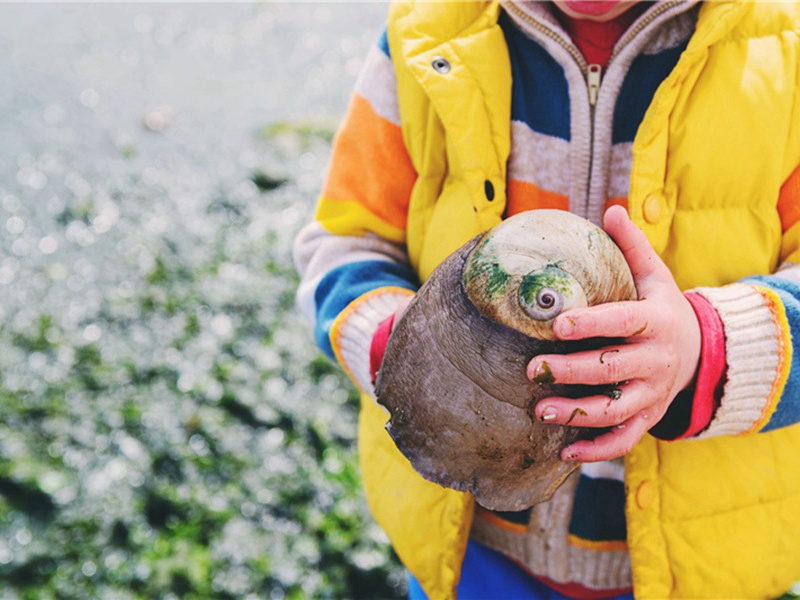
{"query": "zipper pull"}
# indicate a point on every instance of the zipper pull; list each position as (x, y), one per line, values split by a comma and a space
(593, 76)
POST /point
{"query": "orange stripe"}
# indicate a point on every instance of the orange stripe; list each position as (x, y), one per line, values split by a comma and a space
(778, 312)
(789, 200)
(603, 546)
(370, 165)
(492, 518)
(617, 202)
(524, 196)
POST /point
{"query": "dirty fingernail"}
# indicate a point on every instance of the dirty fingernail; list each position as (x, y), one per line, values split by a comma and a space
(568, 455)
(542, 374)
(565, 327)
(549, 413)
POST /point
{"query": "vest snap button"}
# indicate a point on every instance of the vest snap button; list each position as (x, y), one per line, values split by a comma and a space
(440, 64)
(645, 494)
(652, 209)
(488, 189)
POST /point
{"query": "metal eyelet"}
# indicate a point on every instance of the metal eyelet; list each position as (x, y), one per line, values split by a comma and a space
(440, 64)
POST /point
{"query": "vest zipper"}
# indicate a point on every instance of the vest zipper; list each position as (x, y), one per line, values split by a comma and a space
(594, 74)
(594, 77)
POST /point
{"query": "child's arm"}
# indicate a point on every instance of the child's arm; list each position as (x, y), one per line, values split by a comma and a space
(352, 258)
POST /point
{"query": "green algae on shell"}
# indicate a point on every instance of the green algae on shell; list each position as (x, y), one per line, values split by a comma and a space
(454, 374)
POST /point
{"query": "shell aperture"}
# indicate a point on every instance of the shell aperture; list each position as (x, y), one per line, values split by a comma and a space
(454, 374)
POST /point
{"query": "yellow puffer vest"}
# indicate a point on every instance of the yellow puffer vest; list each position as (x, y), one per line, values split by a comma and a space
(716, 518)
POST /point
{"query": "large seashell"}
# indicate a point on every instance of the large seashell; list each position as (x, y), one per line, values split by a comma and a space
(454, 374)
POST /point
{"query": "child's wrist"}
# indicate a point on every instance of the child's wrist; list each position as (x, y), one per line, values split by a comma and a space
(693, 408)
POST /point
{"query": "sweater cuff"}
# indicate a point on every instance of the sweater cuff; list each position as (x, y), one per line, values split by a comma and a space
(692, 409)
(352, 332)
(755, 353)
(378, 346)
(711, 371)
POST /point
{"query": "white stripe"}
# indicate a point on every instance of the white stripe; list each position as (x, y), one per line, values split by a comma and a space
(619, 170)
(789, 271)
(540, 159)
(377, 84)
(317, 252)
(607, 469)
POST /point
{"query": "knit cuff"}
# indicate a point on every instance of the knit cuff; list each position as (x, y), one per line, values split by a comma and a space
(754, 344)
(377, 347)
(352, 331)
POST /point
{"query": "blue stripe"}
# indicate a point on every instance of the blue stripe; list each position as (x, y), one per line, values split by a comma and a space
(539, 91)
(788, 409)
(598, 514)
(383, 44)
(641, 82)
(345, 283)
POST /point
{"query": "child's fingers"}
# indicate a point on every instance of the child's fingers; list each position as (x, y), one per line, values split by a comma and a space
(615, 319)
(642, 259)
(616, 407)
(617, 442)
(597, 367)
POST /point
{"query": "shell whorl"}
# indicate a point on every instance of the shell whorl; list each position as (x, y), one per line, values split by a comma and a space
(538, 264)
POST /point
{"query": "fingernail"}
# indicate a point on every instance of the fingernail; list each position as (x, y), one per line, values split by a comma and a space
(542, 373)
(565, 327)
(549, 413)
(569, 456)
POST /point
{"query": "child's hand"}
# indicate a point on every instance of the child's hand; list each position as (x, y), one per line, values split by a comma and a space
(657, 360)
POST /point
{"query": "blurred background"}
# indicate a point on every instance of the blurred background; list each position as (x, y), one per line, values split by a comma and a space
(167, 427)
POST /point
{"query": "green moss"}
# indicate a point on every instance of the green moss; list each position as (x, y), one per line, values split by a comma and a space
(575, 413)
(486, 273)
(546, 376)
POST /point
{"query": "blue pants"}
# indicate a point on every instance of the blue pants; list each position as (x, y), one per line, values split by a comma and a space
(487, 574)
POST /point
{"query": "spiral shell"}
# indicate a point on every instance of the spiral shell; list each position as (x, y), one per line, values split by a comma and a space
(454, 374)
(532, 267)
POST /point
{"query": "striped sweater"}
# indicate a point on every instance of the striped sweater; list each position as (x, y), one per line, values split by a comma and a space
(572, 151)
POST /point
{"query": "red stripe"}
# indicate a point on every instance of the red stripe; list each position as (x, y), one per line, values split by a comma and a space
(576, 590)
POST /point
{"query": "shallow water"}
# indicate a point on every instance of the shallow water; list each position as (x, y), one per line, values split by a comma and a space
(167, 428)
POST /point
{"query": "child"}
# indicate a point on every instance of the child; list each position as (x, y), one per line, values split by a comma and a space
(684, 113)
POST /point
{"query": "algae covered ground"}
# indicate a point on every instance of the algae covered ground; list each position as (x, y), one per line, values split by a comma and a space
(167, 427)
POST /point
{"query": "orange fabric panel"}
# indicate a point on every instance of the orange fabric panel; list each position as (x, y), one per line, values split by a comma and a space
(370, 165)
(617, 202)
(789, 200)
(524, 196)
